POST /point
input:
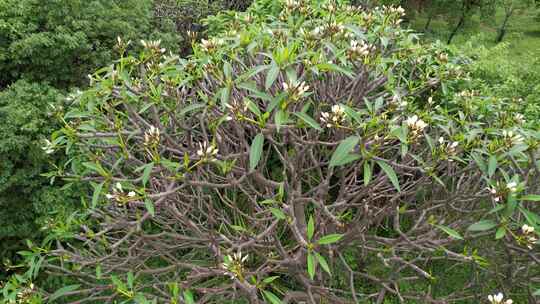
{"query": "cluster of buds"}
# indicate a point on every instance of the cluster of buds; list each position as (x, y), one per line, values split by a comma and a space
(352, 9)
(236, 109)
(529, 237)
(499, 299)
(192, 35)
(207, 152)
(211, 44)
(118, 195)
(519, 118)
(153, 46)
(25, 294)
(48, 148)
(416, 125)
(296, 90)
(234, 265)
(499, 192)
(394, 10)
(450, 148)
(443, 57)
(330, 29)
(151, 137)
(121, 44)
(512, 138)
(295, 5)
(359, 49)
(467, 94)
(368, 18)
(334, 118)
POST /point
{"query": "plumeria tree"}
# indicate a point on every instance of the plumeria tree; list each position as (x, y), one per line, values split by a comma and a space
(307, 152)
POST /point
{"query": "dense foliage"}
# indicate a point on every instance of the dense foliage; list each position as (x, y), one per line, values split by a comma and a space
(307, 151)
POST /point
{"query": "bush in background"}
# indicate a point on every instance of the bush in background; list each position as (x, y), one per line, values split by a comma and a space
(317, 153)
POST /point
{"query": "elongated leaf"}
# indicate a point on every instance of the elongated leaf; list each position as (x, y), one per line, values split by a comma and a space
(272, 298)
(271, 76)
(149, 205)
(308, 120)
(278, 213)
(190, 108)
(97, 193)
(146, 173)
(329, 239)
(255, 152)
(280, 118)
(311, 265)
(390, 173)
(451, 232)
(492, 165)
(367, 173)
(310, 228)
(62, 291)
(531, 197)
(482, 225)
(323, 263)
(188, 297)
(342, 151)
(501, 232)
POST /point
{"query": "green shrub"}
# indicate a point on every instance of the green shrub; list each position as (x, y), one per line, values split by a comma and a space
(310, 153)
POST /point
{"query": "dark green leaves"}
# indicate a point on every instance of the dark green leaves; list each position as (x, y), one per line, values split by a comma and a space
(272, 298)
(272, 75)
(329, 239)
(308, 120)
(451, 232)
(62, 291)
(341, 155)
(255, 152)
(483, 225)
(389, 171)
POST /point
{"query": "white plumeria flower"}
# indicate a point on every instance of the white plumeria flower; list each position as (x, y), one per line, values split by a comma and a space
(207, 151)
(527, 229)
(520, 118)
(48, 147)
(512, 186)
(118, 187)
(131, 193)
(498, 299)
(109, 196)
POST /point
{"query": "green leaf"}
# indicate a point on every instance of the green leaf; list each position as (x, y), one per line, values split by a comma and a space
(278, 213)
(390, 173)
(227, 70)
(492, 165)
(190, 108)
(308, 120)
(149, 205)
(451, 232)
(270, 279)
(340, 156)
(323, 263)
(97, 192)
(62, 291)
(311, 265)
(501, 232)
(272, 75)
(482, 225)
(255, 152)
(280, 118)
(146, 173)
(253, 107)
(272, 298)
(188, 297)
(536, 293)
(310, 228)
(329, 239)
(531, 197)
(367, 173)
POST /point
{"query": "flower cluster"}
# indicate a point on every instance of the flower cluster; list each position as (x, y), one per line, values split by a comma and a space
(207, 152)
(296, 90)
(450, 148)
(211, 44)
(416, 125)
(330, 29)
(48, 148)
(236, 109)
(25, 294)
(334, 118)
(359, 49)
(153, 46)
(529, 237)
(467, 94)
(512, 138)
(519, 118)
(234, 265)
(498, 192)
(119, 195)
(152, 136)
(499, 299)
